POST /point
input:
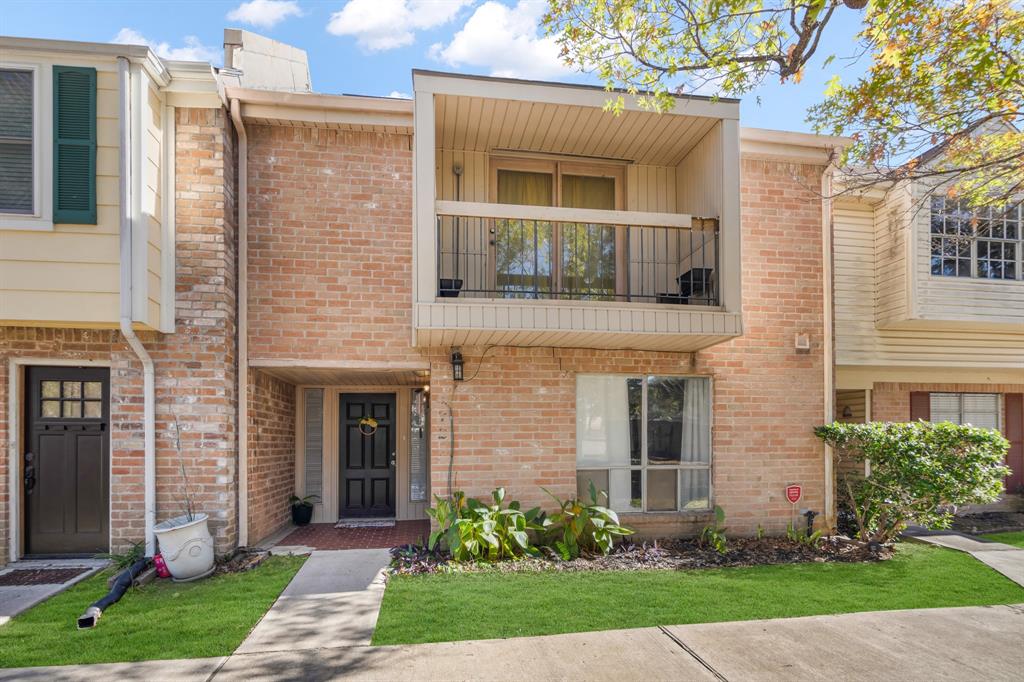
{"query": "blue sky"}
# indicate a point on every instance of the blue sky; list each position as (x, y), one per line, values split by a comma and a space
(370, 46)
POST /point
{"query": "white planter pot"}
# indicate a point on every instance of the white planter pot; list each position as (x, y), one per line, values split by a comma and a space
(186, 546)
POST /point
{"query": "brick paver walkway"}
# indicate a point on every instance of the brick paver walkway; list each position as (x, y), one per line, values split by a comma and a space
(326, 536)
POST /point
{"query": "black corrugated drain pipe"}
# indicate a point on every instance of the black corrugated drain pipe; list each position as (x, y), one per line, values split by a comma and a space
(124, 580)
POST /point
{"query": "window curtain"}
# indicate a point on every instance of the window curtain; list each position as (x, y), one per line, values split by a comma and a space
(696, 445)
(602, 422)
(585, 191)
(588, 250)
(525, 188)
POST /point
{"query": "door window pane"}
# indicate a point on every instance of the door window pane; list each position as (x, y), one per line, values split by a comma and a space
(419, 443)
(93, 409)
(586, 191)
(94, 390)
(72, 409)
(16, 130)
(72, 389)
(51, 389)
(51, 408)
(525, 188)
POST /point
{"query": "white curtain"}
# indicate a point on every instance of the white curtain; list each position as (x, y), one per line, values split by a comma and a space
(602, 422)
(696, 446)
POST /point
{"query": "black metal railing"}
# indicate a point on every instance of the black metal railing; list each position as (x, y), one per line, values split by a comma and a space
(515, 258)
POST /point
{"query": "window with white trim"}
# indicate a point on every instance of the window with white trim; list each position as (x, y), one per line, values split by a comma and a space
(17, 133)
(645, 440)
(980, 242)
(976, 409)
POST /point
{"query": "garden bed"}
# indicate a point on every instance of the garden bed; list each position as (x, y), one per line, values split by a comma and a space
(668, 554)
(989, 522)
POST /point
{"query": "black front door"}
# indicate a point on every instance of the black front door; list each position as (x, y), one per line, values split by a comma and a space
(66, 460)
(367, 454)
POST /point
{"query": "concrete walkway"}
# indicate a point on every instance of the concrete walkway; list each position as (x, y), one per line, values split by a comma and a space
(973, 643)
(1006, 559)
(17, 598)
(332, 601)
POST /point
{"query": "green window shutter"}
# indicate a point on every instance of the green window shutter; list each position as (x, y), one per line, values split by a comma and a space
(74, 145)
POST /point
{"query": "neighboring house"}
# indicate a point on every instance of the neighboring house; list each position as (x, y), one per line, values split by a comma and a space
(95, 140)
(640, 301)
(929, 313)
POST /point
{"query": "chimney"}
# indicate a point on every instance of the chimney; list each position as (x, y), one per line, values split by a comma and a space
(264, 64)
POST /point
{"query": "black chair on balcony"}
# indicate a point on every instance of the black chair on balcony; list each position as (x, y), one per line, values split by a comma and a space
(449, 288)
(696, 286)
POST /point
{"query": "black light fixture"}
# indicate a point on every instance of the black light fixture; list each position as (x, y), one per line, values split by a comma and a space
(457, 364)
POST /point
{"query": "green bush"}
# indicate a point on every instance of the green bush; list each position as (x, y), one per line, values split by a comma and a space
(920, 472)
(472, 530)
(578, 526)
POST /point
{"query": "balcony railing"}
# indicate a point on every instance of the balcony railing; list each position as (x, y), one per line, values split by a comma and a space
(530, 252)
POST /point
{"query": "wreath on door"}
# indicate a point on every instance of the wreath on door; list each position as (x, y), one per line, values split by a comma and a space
(367, 426)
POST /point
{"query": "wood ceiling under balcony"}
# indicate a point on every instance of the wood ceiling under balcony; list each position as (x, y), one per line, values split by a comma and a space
(493, 125)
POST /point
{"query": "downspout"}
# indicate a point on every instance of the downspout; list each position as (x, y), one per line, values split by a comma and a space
(243, 324)
(148, 375)
(829, 344)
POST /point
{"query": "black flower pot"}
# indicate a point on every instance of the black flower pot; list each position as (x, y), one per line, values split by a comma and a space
(302, 514)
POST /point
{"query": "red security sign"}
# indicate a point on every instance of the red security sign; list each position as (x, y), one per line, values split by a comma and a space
(793, 493)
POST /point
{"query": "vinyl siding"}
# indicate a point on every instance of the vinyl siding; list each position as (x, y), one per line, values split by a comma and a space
(859, 228)
(70, 275)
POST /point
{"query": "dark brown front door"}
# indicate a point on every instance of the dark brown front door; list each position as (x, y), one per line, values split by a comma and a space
(66, 460)
(367, 454)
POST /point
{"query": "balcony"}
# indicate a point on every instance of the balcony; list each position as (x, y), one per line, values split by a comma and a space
(543, 220)
(513, 252)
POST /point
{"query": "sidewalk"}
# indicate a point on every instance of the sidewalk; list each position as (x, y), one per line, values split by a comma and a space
(333, 600)
(23, 584)
(1005, 559)
(971, 643)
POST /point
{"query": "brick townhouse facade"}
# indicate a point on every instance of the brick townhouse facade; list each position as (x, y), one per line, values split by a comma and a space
(298, 302)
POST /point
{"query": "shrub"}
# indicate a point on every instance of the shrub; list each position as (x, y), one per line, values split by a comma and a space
(713, 536)
(472, 530)
(920, 472)
(581, 527)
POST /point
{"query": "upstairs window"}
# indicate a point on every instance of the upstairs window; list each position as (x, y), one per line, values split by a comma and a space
(982, 242)
(17, 166)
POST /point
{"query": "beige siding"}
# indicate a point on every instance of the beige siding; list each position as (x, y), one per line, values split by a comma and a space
(70, 274)
(892, 222)
(978, 301)
(859, 230)
(699, 177)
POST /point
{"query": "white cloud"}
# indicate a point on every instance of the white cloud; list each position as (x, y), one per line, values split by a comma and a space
(265, 13)
(505, 40)
(399, 95)
(192, 51)
(387, 24)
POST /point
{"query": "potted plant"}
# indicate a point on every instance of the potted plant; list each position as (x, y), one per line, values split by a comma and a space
(302, 508)
(185, 541)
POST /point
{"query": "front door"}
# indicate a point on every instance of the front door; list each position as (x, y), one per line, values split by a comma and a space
(367, 454)
(66, 460)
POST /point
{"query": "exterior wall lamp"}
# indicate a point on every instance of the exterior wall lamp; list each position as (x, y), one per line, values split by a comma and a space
(457, 364)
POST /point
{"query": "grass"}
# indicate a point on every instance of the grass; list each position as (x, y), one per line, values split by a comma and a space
(161, 620)
(1015, 538)
(433, 608)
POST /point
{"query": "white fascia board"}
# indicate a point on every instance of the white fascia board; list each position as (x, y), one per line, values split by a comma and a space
(559, 93)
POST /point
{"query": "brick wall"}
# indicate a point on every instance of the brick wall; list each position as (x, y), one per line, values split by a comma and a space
(330, 245)
(271, 453)
(195, 366)
(890, 401)
(515, 421)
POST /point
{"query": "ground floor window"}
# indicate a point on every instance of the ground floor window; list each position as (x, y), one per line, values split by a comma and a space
(976, 409)
(645, 440)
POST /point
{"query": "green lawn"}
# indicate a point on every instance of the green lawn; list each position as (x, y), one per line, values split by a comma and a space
(1015, 538)
(435, 608)
(161, 620)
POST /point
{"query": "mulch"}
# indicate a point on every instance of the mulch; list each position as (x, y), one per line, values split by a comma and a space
(22, 577)
(989, 522)
(241, 561)
(669, 554)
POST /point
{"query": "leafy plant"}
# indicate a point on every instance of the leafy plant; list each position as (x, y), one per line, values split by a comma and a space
(713, 536)
(123, 560)
(472, 530)
(581, 527)
(760, 532)
(920, 472)
(307, 501)
(801, 537)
